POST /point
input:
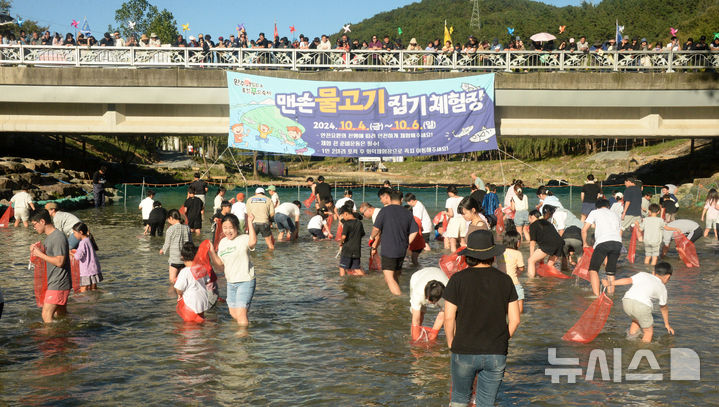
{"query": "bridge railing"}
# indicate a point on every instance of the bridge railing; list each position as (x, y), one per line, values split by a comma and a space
(376, 60)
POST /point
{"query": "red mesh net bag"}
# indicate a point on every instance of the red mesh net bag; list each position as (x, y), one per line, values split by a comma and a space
(581, 270)
(418, 243)
(329, 221)
(423, 336)
(508, 213)
(218, 232)
(546, 270)
(201, 263)
(375, 263)
(500, 220)
(40, 276)
(441, 218)
(74, 271)
(591, 322)
(452, 263)
(5, 219)
(309, 200)
(183, 212)
(338, 236)
(687, 251)
(186, 313)
(632, 252)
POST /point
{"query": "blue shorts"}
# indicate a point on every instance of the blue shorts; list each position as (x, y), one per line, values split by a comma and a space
(318, 233)
(520, 291)
(284, 222)
(350, 263)
(239, 295)
(521, 218)
(587, 207)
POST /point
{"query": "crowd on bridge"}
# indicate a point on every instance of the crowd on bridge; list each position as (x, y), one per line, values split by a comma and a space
(376, 42)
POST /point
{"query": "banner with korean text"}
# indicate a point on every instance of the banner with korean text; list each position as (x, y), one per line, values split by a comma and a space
(361, 119)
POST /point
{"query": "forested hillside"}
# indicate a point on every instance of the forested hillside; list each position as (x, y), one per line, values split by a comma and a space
(652, 19)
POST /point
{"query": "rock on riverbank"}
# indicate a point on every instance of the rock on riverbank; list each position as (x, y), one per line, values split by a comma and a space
(45, 179)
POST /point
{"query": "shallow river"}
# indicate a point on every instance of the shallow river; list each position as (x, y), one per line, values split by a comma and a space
(315, 339)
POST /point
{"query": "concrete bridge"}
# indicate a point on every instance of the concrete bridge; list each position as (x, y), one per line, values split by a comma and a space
(178, 101)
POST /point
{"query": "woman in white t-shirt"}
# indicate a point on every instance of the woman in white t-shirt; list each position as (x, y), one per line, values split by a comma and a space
(520, 206)
(233, 257)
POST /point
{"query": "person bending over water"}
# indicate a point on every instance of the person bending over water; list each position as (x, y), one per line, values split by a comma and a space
(544, 241)
(425, 289)
(233, 258)
(637, 302)
(607, 243)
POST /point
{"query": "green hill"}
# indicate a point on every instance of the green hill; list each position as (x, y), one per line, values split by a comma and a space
(641, 18)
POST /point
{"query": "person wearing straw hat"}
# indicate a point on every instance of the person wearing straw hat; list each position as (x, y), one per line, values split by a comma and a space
(481, 313)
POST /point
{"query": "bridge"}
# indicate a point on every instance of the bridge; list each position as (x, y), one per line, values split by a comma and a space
(78, 90)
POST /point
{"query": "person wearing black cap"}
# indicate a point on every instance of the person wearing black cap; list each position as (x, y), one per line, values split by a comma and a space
(481, 314)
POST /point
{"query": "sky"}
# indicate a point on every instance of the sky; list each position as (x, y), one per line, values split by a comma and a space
(220, 17)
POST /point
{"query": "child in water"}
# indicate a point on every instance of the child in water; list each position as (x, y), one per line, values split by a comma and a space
(90, 272)
(191, 284)
(514, 261)
(176, 236)
(317, 226)
(351, 243)
(711, 213)
(637, 301)
(653, 227)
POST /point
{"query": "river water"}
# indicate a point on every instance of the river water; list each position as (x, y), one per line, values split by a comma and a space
(315, 339)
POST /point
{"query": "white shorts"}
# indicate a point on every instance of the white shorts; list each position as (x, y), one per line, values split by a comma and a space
(456, 228)
(22, 213)
(711, 223)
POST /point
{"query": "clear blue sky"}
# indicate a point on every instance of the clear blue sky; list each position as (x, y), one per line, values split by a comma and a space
(220, 17)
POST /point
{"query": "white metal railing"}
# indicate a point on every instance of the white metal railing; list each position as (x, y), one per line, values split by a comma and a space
(377, 60)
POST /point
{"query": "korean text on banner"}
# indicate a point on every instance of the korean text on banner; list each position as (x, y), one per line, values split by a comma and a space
(361, 119)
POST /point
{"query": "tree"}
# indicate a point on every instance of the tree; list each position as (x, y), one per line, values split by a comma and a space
(139, 12)
(147, 18)
(28, 26)
(165, 26)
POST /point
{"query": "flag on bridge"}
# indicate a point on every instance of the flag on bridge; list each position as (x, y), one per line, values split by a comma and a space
(85, 29)
(447, 33)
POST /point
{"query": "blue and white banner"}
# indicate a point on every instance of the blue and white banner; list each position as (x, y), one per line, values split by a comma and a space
(361, 119)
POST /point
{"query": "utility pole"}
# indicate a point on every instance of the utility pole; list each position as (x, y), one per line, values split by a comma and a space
(474, 21)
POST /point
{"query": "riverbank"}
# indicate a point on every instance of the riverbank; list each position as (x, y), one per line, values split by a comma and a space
(672, 162)
(46, 181)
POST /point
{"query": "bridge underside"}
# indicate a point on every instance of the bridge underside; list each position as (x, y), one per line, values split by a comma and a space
(104, 101)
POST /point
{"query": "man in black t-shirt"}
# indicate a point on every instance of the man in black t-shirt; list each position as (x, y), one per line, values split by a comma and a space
(481, 313)
(195, 210)
(632, 203)
(396, 228)
(324, 193)
(157, 219)
(590, 194)
(199, 187)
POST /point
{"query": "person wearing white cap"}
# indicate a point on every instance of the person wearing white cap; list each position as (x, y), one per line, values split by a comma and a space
(263, 210)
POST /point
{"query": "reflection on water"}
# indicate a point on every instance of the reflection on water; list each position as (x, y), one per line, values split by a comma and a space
(315, 338)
